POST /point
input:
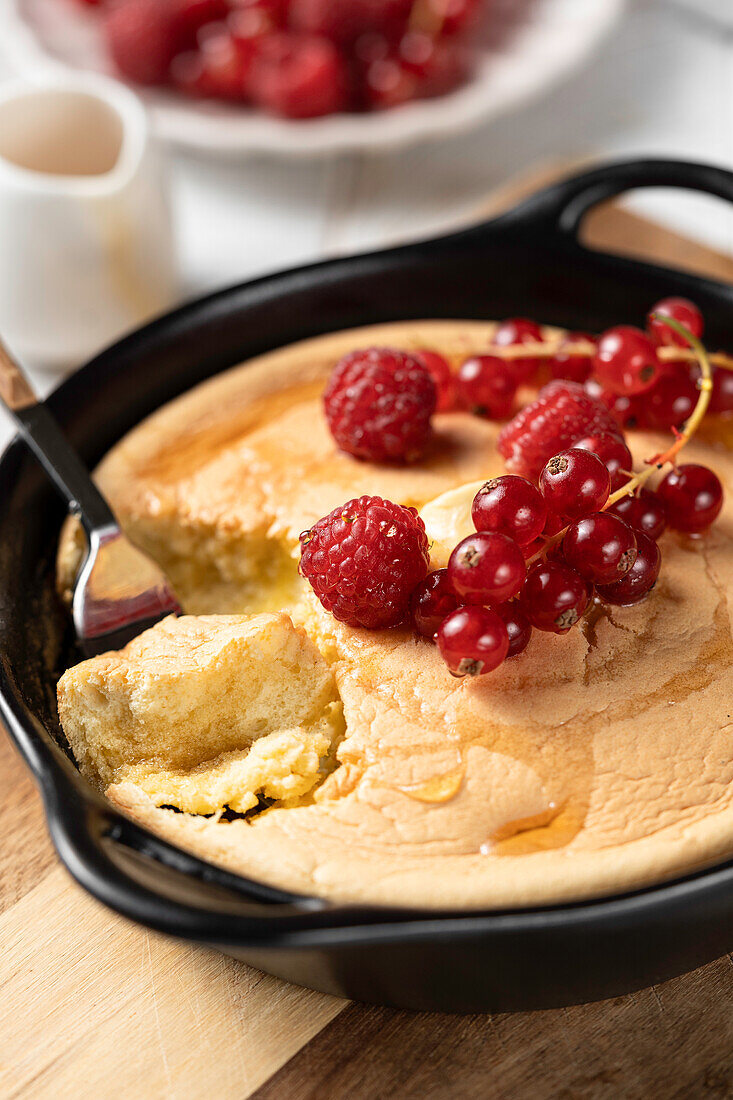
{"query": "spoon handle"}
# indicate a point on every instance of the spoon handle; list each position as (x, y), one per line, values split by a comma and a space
(15, 389)
(58, 458)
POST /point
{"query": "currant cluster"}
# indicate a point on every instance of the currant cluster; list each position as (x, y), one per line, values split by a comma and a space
(295, 58)
(628, 364)
(616, 369)
(481, 609)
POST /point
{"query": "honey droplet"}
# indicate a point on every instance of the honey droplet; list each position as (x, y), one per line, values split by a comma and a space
(439, 788)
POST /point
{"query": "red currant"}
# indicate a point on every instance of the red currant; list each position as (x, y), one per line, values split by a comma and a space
(518, 626)
(512, 506)
(486, 386)
(473, 641)
(613, 453)
(553, 524)
(639, 580)
(625, 410)
(486, 568)
(645, 512)
(681, 310)
(721, 399)
(442, 375)
(431, 601)
(601, 547)
(519, 330)
(554, 596)
(626, 361)
(669, 403)
(575, 367)
(575, 483)
(693, 496)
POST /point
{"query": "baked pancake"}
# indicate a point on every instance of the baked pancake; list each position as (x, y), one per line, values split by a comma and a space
(594, 762)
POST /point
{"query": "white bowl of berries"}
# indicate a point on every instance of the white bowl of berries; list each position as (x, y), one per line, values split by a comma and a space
(312, 76)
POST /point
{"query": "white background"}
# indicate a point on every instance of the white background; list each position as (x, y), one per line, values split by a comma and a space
(661, 84)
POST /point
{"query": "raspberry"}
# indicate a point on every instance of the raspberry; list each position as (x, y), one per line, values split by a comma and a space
(141, 38)
(562, 413)
(219, 68)
(189, 16)
(378, 404)
(299, 76)
(344, 20)
(364, 560)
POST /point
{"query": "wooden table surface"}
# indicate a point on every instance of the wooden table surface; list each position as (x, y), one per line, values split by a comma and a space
(92, 1006)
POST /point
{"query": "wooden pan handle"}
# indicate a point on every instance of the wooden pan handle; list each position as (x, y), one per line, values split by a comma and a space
(15, 389)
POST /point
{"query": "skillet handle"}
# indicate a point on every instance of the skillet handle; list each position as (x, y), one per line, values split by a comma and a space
(561, 208)
(150, 881)
(142, 876)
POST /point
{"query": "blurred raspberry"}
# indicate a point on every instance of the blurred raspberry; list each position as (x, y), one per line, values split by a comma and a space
(299, 76)
(562, 413)
(141, 39)
(189, 16)
(344, 20)
(221, 67)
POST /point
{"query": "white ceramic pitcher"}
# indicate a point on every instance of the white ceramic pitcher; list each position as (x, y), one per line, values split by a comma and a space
(86, 248)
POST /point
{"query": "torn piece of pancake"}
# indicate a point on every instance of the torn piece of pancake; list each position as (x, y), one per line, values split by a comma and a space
(206, 713)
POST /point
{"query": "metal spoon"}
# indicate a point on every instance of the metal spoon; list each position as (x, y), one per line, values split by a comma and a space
(119, 590)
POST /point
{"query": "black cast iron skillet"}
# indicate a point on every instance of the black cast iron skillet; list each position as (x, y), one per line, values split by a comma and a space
(527, 262)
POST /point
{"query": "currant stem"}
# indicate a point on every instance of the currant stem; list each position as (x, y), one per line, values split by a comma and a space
(583, 349)
(705, 385)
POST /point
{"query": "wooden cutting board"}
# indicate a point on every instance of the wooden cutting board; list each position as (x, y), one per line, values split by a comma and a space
(92, 1006)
